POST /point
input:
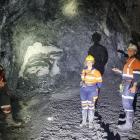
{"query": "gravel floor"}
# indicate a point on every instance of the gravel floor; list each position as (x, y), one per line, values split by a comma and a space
(57, 116)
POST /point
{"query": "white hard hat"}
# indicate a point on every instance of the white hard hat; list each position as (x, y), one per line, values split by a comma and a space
(132, 46)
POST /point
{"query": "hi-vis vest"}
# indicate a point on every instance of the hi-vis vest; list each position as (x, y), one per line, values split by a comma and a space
(91, 76)
(131, 68)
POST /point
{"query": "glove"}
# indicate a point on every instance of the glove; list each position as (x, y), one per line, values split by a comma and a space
(121, 88)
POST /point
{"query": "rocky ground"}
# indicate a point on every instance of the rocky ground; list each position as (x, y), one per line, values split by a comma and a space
(57, 116)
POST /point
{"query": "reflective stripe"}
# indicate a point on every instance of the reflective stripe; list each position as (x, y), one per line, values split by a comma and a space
(127, 75)
(85, 107)
(5, 111)
(90, 84)
(100, 78)
(84, 102)
(129, 110)
(5, 106)
(89, 77)
(127, 71)
(127, 97)
(91, 107)
(131, 62)
(89, 102)
(136, 72)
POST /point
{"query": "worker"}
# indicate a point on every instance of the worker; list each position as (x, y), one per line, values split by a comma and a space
(91, 81)
(130, 85)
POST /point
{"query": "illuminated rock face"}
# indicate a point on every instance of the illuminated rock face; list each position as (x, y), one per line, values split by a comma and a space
(40, 65)
(38, 60)
(70, 8)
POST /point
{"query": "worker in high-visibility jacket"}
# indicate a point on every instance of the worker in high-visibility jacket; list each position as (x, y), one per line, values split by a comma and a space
(130, 84)
(91, 81)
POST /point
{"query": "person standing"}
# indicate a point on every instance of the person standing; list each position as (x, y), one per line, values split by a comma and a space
(130, 83)
(5, 102)
(99, 52)
(91, 81)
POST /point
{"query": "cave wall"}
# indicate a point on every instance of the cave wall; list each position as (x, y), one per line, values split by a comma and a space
(61, 31)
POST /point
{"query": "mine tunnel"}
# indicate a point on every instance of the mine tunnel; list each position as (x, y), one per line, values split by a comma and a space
(43, 46)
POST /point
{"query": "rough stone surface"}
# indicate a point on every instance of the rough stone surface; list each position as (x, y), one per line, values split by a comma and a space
(43, 44)
(67, 25)
(57, 116)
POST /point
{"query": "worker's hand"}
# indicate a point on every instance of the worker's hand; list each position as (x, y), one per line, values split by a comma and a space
(121, 88)
(133, 89)
(116, 70)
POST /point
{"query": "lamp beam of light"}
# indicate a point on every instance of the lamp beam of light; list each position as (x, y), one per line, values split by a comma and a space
(70, 9)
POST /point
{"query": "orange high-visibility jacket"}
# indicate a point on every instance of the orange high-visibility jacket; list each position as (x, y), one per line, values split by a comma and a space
(131, 67)
(91, 76)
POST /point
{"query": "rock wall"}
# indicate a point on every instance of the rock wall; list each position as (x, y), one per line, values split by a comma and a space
(63, 30)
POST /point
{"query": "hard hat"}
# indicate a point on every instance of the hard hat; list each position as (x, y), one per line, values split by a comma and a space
(132, 47)
(90, 58)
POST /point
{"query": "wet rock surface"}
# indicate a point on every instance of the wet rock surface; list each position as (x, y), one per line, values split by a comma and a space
(57, 116)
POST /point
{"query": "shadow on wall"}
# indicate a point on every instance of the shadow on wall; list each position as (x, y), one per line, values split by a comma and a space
(99, 52)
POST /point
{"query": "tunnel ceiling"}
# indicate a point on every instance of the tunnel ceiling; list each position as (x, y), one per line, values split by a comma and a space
(51, 37)
(129, 10)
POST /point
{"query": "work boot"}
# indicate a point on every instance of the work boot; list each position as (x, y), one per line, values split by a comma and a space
(11, 122)
(84, 118)
(90, 118)
(129, 121)
(122, 117)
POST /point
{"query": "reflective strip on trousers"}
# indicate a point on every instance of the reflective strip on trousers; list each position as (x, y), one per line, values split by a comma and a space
(84, 104)
(127, 97)
(86, 107)
(129, 110)
(91, 108)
